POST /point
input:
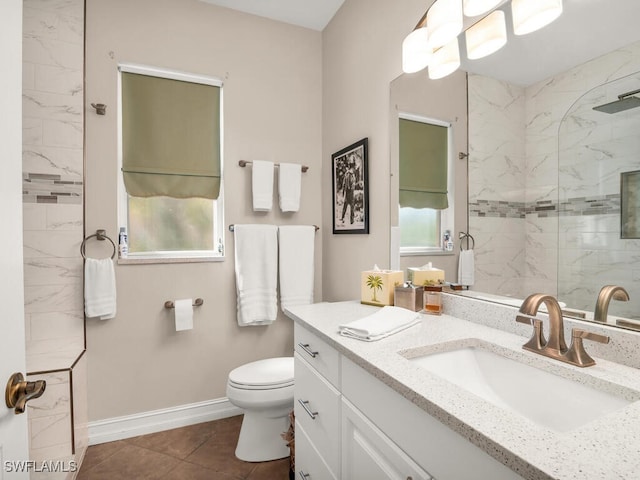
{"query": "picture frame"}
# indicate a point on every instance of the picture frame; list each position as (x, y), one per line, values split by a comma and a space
(630, 204)
(350, 188)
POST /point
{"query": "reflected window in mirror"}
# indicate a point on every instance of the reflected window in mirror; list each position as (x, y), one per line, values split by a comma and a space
(425, 212)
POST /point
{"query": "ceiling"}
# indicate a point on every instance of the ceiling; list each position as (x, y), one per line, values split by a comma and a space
(585, 30)
(313, 14)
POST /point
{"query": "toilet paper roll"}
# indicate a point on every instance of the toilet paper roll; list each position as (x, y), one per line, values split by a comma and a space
(183, 312)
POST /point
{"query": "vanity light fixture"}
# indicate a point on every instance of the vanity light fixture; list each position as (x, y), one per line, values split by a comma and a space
(485, 31)
(444, 21)
(416, 51)
(530, 16)
(445, 60)
(473, 8)
(487, 36)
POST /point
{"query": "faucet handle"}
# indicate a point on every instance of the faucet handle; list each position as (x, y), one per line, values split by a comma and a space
(596, 337)
(577, 355)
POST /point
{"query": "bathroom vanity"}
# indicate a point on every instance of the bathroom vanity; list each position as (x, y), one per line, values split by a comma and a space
(378, 410)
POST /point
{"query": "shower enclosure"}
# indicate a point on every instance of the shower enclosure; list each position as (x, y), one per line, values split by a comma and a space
(599, 191)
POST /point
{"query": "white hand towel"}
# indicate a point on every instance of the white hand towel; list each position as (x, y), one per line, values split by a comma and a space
(296, 265)
(385, 322)
(99, 288)
(256, 257)
(262, 185)
(466, 268)
(289, 186)
(183, 312)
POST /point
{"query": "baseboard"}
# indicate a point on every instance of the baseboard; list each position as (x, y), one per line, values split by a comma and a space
(118, 428)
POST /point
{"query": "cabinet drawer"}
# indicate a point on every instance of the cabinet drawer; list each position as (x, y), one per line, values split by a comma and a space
(317, 409)
(318, 353)
(309, 463)
(369, 453)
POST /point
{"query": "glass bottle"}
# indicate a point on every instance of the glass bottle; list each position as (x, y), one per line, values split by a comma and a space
(433, 300)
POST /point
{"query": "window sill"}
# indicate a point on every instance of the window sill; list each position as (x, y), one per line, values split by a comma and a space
(427, 253)
(161, 260)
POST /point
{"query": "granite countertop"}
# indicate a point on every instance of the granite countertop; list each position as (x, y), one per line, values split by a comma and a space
(605, 448)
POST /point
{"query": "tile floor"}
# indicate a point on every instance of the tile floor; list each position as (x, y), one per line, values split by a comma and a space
(199, 452)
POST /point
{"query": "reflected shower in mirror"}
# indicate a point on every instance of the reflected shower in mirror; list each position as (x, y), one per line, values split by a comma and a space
(599, 162)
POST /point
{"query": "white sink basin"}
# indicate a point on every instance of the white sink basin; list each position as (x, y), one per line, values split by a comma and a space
(545, 398)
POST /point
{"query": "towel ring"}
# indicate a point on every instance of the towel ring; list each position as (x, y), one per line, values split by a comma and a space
(100, 235)
(468, 236)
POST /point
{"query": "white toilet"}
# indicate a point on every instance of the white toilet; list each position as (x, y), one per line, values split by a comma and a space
(264, 390)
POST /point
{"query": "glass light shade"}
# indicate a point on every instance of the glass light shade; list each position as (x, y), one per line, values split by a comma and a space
(473, 8)
(487, 36)
(444, 21)
(529, 16)
(416, 51)
(445, 61)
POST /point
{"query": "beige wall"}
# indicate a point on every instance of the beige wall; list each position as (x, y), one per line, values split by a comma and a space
(361, 56)
(272, 110)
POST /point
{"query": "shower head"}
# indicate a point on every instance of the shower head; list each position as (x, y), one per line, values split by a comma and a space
(625, 101)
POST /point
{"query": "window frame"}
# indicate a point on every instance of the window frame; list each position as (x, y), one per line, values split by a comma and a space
(218, 233)
(446, 216)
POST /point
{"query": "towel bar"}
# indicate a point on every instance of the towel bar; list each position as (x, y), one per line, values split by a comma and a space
(171, 304)
(244, 163)
(232, 227)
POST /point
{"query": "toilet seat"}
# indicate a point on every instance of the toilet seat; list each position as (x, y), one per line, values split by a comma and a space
(269, 374)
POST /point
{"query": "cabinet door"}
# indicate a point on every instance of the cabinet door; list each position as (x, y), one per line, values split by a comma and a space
(309, 462)
(369, 453)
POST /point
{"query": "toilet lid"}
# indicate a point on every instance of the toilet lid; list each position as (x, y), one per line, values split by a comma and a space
(269, 373)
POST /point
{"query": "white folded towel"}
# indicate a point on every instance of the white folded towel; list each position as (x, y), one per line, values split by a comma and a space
(466, 268)
(289, 186)
(387, 321)
(296, 265)
(262, 185)
(256, 257)
(99, 288)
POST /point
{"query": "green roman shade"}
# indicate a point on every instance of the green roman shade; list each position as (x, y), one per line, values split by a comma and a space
(170, 137)
(423, 165)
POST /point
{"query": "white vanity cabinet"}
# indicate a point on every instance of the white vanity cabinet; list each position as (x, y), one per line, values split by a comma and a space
(352, 426)
(317, 407)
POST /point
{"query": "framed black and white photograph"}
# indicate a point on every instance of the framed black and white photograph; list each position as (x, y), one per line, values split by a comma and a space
(350, 189)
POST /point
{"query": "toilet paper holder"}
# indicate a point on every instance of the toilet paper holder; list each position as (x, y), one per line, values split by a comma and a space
(170, 304)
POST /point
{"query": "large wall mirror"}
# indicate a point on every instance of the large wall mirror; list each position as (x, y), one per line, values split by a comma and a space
(547, 173)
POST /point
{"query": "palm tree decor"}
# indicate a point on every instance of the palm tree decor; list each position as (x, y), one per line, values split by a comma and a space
(374, 282)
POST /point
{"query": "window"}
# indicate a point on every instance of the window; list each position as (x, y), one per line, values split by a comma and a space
(170, 188)
(425, 212)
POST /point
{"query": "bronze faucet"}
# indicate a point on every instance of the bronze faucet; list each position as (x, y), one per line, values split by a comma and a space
(607, 293)
(555, 347)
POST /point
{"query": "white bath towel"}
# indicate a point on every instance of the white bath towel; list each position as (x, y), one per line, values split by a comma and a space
(289, 186)
(466, 268)
(99, 288)
(256, 257)
(385, 322)
(296, 264)
(262, 185)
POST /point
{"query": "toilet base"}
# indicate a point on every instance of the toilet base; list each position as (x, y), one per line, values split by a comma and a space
(260, 438)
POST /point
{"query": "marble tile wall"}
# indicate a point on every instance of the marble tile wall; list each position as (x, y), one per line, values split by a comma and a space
(53, 54)
(53, 142)
(504, 179)
(497, 184)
